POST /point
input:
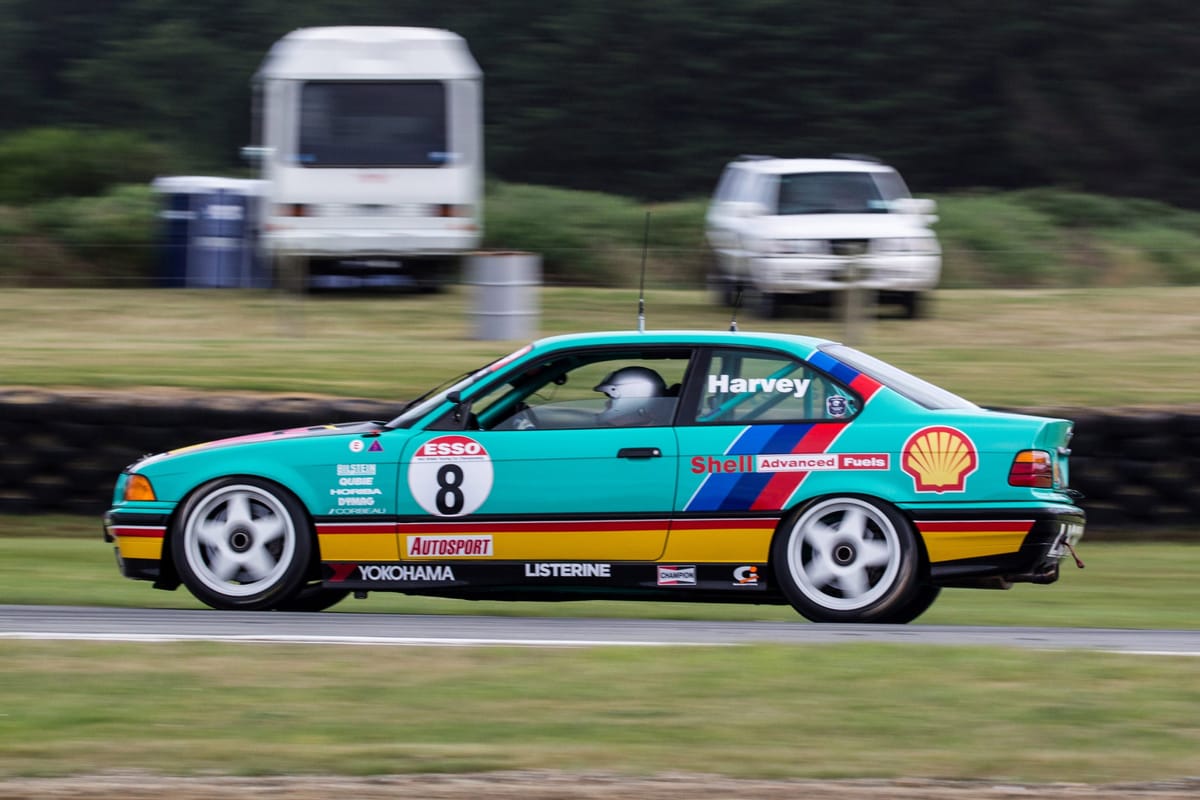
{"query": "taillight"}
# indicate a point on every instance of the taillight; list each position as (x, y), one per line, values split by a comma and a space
(1032, 468)
(291, 210)
(448, 210)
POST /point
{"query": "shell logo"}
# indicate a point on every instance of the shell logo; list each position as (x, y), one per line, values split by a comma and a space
(939, 459)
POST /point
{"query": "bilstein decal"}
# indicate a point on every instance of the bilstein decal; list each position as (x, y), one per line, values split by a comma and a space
(939, 459)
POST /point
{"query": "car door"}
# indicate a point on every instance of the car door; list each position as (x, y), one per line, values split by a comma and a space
(760, 423)
(544, 476)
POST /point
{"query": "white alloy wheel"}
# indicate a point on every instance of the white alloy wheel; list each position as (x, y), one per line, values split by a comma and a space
(847, 559)
(241, 544)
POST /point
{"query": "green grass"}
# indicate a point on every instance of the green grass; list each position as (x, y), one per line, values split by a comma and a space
(61, 560)
(1097, 347)
(861, 711)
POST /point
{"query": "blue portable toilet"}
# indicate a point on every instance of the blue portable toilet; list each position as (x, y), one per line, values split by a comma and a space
(209, 232)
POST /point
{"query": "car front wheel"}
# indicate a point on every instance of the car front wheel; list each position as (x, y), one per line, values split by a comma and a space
(242, 543)
(848, 559)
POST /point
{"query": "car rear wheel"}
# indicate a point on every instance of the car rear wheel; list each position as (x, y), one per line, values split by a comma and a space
(242, 543)
(848, 559)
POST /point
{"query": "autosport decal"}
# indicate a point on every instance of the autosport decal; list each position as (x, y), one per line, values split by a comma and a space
(764, 490)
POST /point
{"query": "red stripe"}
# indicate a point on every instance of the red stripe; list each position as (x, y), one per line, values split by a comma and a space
(719, 523)
(865, 386)
(139, 533)
(974, 526)
(540, 525)
(356, 527)
(781, 486)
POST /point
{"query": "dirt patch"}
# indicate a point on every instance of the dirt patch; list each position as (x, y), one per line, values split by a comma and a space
(535, 785)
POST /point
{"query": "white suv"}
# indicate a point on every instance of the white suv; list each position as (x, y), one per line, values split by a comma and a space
(811, 226)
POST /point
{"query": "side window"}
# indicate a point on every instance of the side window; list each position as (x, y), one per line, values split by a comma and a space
(741, 386)
(595, 390)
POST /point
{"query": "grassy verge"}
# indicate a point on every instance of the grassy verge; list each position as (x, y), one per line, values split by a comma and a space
(764, 711)
(1114, 347)
(60, 560)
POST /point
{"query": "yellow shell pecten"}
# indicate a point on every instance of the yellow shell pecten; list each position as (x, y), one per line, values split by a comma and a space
(939, 458)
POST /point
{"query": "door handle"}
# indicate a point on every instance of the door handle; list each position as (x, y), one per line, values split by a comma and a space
(639, 452)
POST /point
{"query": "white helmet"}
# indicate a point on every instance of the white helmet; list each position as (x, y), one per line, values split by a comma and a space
(631, 393)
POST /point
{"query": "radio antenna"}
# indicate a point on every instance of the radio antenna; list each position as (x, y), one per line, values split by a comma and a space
(737, 303)
(642, 286)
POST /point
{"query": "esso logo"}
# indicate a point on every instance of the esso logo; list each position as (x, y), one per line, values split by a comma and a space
(451, 446)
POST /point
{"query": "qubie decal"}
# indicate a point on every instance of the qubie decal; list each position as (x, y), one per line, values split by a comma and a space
(939, 459)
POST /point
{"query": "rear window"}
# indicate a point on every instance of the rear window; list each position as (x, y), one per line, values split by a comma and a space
(916, 389)
(372, 124)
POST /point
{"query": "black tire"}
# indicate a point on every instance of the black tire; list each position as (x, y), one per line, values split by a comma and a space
(917, 605)
(242, 543)
(313, 597)
(848, 559)
(913, 305)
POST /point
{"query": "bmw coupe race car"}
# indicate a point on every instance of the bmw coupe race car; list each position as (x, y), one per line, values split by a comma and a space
(710, 466)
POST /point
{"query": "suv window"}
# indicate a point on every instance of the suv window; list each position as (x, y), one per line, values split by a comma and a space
(742, 386)
(831, 193)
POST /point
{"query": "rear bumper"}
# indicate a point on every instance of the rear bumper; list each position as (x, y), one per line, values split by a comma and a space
(993, 550)
(369, 242)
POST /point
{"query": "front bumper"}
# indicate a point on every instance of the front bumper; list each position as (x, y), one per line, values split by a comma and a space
(797, 274)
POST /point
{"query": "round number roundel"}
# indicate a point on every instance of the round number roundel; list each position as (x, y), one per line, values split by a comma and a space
(450, 475)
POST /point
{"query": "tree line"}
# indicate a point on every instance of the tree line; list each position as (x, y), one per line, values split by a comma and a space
(649, 98)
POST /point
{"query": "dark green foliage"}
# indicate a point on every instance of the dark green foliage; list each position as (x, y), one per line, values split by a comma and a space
(43, 163)
(648, 100)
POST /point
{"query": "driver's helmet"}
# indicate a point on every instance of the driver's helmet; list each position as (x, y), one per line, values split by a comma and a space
(631, 393)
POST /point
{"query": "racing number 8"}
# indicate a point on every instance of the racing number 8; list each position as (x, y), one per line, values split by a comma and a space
(449, 498)
(450, 475)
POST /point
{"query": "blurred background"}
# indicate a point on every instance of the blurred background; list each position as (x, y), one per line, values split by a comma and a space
(1058, 139)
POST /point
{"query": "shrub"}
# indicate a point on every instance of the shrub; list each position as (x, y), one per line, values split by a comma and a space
(114, 234)
(44, 163)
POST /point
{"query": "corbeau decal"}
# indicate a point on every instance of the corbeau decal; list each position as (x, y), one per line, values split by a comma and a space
(448, 546)
(939, 459)
(450, 476)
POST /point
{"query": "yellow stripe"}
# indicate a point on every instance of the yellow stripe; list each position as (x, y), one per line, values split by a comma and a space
(148, 547)
(952, 545)
(750, 545)
(358, 546)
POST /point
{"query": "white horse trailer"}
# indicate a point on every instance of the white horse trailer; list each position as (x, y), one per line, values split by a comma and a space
(370, 141)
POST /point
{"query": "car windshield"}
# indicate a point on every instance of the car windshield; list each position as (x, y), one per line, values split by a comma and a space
(372, 124)
(423, 404)
(837, 193)
(903, 383)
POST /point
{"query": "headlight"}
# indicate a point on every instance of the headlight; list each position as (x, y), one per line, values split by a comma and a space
(138, 488)
(906, 244)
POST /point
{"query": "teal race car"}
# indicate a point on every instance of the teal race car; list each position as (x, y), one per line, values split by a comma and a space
(676, 465)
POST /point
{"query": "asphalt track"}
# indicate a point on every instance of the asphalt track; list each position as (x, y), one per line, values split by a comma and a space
(157, 625)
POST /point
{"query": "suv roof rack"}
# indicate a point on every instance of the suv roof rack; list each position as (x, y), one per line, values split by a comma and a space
(858, 157)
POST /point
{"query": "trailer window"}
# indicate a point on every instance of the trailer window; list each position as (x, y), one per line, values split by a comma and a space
(373, 124)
